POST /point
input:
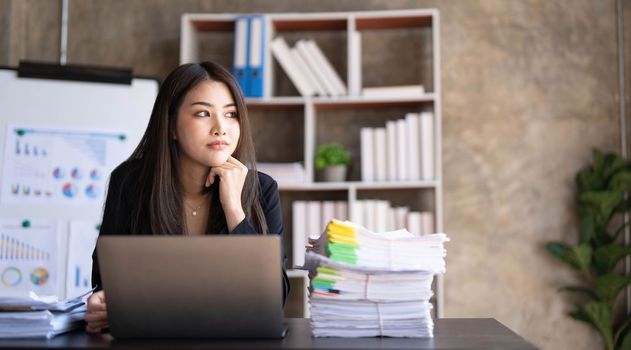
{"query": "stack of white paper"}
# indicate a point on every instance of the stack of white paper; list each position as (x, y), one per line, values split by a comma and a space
(38, 317)
(373, 284)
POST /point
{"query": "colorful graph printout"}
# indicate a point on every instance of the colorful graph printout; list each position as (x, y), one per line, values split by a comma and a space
(81, 243)
(52, 165)
(28, 257)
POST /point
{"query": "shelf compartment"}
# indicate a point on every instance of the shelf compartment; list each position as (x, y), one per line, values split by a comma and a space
(330, 34)
(343, 125)
(278, 132)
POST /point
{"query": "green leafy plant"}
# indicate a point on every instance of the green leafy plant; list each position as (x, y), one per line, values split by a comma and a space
(601, 188)
(331, 154)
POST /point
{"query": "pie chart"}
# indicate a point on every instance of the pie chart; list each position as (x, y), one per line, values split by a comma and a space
(69, 190)
(39, 276)
(11, 276)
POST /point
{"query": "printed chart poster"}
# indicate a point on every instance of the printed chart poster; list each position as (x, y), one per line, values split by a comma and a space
(81, 243)
(28, 257)
(48, 165)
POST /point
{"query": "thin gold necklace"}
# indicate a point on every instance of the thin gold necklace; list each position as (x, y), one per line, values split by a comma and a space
(194, 209)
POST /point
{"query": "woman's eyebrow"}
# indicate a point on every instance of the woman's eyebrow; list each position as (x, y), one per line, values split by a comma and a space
(211, 105)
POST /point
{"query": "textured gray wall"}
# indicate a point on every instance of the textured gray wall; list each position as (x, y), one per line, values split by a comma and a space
(529, 88)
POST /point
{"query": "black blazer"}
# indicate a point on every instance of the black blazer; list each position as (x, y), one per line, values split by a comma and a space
(117, 215)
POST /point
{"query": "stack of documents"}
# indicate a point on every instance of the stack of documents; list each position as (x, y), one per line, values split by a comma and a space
(38, 317)
(373, 284)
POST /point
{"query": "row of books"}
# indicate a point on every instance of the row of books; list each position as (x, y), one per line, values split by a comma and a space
(366, 284)
(403, 150)
(305, 64)
(380, 216)
(308, 218)
(249, 54)
(308, 68)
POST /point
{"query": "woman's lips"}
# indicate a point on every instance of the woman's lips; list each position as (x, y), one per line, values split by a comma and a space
(217, 145)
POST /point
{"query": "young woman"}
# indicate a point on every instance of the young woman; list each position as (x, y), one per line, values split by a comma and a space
(193, 172)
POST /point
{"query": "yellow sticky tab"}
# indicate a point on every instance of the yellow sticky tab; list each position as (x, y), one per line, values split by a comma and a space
(333, 237)
(342, 228)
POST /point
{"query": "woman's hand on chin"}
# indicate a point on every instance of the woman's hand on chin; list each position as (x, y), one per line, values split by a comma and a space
(232, 174)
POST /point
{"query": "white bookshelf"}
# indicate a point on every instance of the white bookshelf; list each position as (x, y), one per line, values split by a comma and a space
(312, 112)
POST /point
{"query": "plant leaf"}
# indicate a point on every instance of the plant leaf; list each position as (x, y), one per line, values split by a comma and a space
(625, 206)
(626, 342)
(606, 257)
(616, 235)
(580, 290)
(620, 181)
(588, 180)
(622, 329)
(614, 163)
(578, 257)
(598, 314)
(600, 206)
(608, 287)
(588, 227)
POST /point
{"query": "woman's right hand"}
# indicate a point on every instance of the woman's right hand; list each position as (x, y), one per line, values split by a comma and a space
(96, 316)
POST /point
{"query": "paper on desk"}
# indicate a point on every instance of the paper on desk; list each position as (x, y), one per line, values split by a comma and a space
(36, 302)
(40, 324)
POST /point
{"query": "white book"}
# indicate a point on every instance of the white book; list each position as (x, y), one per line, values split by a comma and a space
(281, 51)
(401, 217)
(314, 226)
(414, 145)
(355, 63)
(328, 213)
(427, 145)
(392, 219)
(317, 68)
(303, 65)
(379, 146)
(299, 231)
(391, 150)
(330, 72)
(370, 211)
(367, 154)
(427, 223)
(357, 213)
(402, 151)
(394, 91)
(382, 209)
(414, 223)
(341, 210)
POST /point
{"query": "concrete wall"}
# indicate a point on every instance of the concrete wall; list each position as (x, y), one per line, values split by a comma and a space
(529, 88)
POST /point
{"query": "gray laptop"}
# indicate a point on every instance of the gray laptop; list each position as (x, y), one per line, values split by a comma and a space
(192, 287)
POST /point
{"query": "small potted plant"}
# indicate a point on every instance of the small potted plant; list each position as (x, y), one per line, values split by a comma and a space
(332, 159)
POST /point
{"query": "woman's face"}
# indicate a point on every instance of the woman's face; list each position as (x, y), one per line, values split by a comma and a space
(207, 128)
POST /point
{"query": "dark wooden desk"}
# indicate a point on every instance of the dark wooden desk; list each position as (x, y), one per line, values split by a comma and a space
(474, 333)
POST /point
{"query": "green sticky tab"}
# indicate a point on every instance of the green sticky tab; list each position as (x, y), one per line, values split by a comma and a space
(20, 132)
(349, 259)
(98, 227)
(26, 223)
(323, 280)
(326, 270)
(322, 284)
(122, 137)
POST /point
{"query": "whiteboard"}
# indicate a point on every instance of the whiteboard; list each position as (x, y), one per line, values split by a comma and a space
(72, 105)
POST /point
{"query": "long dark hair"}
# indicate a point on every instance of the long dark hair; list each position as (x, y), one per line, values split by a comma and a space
(158, 209)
